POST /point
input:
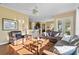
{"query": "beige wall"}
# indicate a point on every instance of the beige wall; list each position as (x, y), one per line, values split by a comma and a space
(49, 24)
(67, 15)
(11, 14)
(61, 17)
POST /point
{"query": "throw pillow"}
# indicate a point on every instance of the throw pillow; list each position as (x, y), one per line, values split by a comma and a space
(66, 38)
(73, 38)
(75, 42)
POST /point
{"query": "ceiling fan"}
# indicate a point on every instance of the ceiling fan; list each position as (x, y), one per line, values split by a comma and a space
(34, 11)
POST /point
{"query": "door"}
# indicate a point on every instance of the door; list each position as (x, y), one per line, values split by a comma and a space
(65, 25)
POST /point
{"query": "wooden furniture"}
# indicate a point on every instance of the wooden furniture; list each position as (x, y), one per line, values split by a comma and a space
(46, 52)
(18, 50)
(39, 45)
(28, 46)
(15, 36)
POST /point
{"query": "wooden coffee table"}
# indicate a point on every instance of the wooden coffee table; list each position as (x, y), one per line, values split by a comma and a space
(20, 49)
(39, 45)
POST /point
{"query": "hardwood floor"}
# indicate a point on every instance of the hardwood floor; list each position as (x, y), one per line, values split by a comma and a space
(4, 49)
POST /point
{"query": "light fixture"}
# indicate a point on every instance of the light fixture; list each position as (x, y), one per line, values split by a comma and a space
(35, 11)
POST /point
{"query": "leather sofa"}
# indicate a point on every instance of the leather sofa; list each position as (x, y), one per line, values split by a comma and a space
(53, 36)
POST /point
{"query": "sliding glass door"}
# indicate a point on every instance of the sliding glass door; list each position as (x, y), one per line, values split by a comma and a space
(65, 25)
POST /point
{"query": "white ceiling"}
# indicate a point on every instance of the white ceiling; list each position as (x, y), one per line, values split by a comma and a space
(46, 10)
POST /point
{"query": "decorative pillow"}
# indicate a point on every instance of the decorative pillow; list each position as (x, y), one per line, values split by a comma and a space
(61, 35)
(18, 36)
(75, 42)
(66, 38)
(73, 38)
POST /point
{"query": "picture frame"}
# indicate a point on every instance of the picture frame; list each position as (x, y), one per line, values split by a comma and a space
(9, 24)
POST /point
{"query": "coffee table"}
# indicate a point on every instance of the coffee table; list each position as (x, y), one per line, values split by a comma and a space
(22, 49)
(38, 45)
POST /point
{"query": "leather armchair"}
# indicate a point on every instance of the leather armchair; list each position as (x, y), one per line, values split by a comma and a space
(15, 35)
(53, 37)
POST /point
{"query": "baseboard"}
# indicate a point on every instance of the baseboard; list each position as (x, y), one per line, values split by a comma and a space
(4, 43)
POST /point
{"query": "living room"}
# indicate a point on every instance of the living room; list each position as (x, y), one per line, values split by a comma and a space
(39, 28)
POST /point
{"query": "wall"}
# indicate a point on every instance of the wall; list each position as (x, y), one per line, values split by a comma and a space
(49, 24)
(11, 14)
(63, 16)
(33, 25)
(67, 15)
(77, 22)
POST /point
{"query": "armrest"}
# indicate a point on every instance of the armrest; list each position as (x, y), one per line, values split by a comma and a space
(48, 52)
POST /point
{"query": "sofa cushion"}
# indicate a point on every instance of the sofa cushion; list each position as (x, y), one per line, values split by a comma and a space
(66, 38)
(75, 42)
(66, 50)
(73, 38)
(54, 33)
(62, 42)
(54, 50)
(18, 36)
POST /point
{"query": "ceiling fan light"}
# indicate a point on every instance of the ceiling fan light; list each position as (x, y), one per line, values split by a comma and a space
(35, 11)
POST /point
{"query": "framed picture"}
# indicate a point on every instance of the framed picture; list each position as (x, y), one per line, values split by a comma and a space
(9, 24)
